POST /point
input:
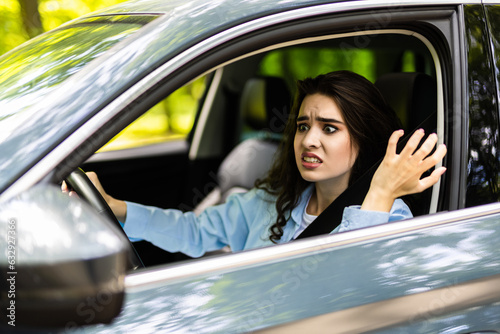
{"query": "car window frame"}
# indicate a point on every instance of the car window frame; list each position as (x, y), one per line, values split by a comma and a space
(198, 137)
(145, 94)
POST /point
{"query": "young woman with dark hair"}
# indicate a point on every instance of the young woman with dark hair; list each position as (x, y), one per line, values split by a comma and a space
(365, 118)
(338, 128)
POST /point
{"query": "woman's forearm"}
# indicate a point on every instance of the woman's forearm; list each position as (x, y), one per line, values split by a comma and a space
(118, 207)
(377, 201)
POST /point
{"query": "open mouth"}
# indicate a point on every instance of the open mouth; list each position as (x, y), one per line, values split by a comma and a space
(311, 159)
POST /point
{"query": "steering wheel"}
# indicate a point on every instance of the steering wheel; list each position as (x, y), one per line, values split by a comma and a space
(81, 184)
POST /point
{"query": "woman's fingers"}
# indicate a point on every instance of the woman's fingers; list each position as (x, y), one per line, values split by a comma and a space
(421, 157)
(426, 147)
(435, 158)
(412, 144)
(405, 169)
(431, 180)
(400, 174)
(422, 160)
(93, 178)
(65, 189)
(393, 142)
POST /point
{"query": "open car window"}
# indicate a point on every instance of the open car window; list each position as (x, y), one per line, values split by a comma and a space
(170, 119)
(401, 66)
(395, 61)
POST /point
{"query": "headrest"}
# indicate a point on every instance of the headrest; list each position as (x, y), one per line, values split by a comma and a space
(413, 96)
(247, 162)
(265, 104)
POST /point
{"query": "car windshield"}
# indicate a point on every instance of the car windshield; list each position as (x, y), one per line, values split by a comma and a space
(31, 72)
(47, 61)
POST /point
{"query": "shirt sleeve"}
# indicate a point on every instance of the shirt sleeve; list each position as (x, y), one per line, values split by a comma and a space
(177, 231)
(354, 218)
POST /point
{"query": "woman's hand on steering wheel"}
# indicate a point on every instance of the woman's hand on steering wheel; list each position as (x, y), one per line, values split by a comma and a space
(84, 184)
(89, 188)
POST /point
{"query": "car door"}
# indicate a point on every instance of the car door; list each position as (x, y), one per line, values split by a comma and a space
(419, 276)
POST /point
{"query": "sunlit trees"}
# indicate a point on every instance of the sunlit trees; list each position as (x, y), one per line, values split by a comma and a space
(21, 20)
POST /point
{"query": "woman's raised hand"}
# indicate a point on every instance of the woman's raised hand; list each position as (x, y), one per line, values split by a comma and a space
(400, 174)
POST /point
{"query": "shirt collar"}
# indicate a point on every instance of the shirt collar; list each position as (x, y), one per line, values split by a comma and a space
(299, 209)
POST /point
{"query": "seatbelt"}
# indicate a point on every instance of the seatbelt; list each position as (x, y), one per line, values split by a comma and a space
(331, 217)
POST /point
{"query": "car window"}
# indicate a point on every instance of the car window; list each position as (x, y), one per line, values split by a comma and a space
(483, 152)
(301, 62)
(170, 119)
(30, 73)
(195, 169)
(385, 54)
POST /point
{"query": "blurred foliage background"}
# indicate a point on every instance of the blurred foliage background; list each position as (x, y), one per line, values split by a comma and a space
(21, 20)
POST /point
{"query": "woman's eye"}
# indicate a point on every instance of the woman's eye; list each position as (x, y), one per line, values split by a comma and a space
(302, 127)
(329, 129)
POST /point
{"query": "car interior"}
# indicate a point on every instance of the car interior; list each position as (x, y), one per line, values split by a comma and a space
(242, 112)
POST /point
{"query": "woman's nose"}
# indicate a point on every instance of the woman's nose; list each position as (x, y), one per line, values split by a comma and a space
(311, 139)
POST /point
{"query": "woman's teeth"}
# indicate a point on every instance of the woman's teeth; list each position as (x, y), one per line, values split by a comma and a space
(311, 159)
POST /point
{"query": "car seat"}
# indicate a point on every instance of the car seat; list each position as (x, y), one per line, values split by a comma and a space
(413, 96)
(264, 109)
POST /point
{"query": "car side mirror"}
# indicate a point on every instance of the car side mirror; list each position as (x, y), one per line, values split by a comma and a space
(61, 264)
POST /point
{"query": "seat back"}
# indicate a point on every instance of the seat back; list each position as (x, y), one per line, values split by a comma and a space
(413, 96)
(265, 105)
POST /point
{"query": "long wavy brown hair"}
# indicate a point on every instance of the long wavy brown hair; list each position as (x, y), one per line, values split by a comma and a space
(369, 120)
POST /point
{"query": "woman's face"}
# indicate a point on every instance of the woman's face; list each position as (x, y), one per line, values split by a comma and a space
(323, 149)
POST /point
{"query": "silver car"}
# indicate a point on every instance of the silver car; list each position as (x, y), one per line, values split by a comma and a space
(66, 266)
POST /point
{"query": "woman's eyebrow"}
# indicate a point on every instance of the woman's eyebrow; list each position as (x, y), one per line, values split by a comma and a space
(320, 119)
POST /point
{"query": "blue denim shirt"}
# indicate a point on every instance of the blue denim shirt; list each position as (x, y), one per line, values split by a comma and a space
(242, 222)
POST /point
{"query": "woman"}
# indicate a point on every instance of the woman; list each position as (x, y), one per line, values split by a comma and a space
(338, 128)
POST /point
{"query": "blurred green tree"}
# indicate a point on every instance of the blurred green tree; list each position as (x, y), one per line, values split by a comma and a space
(31, 17)
(21, 20)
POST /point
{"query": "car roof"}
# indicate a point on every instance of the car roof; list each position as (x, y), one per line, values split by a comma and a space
(196, 7)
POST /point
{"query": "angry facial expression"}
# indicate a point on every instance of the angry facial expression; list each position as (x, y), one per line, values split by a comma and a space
(323, 148)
